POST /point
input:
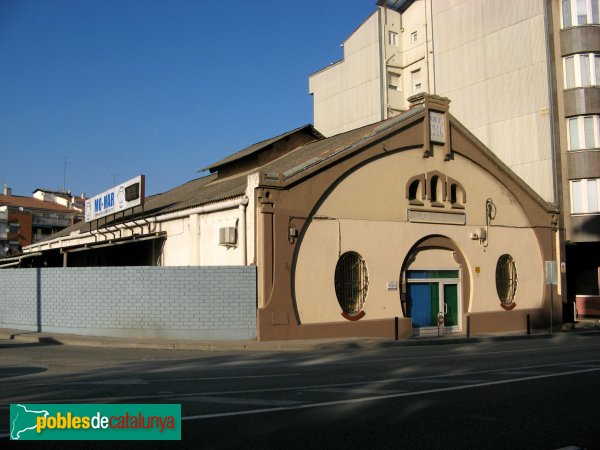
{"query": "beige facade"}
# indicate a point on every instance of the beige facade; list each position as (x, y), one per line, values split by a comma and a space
(367, 213)
(404, 206)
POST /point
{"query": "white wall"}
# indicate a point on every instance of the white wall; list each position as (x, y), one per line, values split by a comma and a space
(192, 239)
(347, 95)
(490, 60)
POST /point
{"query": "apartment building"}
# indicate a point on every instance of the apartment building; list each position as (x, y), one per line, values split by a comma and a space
(522, 75)
(26, 220)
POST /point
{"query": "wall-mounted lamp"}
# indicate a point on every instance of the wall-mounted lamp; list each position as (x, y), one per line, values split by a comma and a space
(478, 235)
(292, 234)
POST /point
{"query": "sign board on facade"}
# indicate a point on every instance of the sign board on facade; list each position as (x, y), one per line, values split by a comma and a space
(437, 127)
(552, 272)
(392, 286)
(123, 196)
(436, 217)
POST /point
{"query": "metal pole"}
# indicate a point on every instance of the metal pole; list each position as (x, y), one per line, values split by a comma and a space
(468, 326)
(528, 325)
(396, 328)
(551, 307)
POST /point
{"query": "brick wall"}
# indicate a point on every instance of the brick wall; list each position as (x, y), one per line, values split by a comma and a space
(210, 303)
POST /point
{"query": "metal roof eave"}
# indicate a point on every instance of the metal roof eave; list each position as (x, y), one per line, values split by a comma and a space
(16, 260)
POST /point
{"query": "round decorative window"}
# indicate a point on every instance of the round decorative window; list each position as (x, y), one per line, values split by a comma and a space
(506, 281)
(351, 284)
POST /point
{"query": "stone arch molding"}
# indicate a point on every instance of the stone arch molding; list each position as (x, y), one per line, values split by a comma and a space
(436, 242)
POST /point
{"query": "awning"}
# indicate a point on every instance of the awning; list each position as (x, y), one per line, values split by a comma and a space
(113, 242)
(16, 260)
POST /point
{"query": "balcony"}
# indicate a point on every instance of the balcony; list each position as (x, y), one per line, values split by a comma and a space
(51, 221)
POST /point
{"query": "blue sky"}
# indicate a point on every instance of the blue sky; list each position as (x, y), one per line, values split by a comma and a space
(159, 87)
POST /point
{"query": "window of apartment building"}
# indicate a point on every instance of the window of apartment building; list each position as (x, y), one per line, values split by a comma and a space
(580, 12)
(414, 36)
(394, 81)
(416, 80)
(584, 132)
(393, 38)
(582, 70)
(585, 196)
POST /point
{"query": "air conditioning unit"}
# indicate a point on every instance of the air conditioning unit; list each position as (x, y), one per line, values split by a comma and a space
(227, 236)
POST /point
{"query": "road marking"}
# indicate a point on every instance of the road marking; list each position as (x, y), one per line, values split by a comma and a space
(583, 366)
(525, 372)
(299, 388)
(242, 377)
(383, 397)
(450, 355)
(356, 391)
(115, 382)
(243, 401)
(447, 381)
(160, 380)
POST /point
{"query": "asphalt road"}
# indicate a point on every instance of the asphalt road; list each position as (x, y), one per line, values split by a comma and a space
(530, 394)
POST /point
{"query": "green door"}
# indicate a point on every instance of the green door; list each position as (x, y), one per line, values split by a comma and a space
(451, 305)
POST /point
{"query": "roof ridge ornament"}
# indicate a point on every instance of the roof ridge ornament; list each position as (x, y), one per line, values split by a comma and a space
(429, 100)
(437, 126)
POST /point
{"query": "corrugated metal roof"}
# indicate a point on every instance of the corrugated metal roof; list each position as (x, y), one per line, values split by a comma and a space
(317, 152)
(254, 148)
(197, 192)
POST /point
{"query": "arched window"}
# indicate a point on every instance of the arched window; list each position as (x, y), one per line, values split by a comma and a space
(453, 196)
(506, 280)
(436, 192)
(414, 190)
(434, 185)
(457, 196)
(351, 283)
(415, 193)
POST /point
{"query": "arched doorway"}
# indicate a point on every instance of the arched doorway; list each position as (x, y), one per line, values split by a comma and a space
(434, 286)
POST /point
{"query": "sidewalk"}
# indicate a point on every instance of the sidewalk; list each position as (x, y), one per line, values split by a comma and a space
(592, 327)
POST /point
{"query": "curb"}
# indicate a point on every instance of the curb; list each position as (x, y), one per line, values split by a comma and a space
(292, 345)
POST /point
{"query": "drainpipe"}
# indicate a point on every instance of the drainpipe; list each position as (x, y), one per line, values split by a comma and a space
(382, 66)
(559, 233)
(242, 231)
(432, 53)
(195, 230)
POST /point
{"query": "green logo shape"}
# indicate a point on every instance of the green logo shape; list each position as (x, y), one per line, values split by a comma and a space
(95, 422)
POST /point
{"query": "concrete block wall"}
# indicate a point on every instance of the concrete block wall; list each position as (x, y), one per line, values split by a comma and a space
(196, 303)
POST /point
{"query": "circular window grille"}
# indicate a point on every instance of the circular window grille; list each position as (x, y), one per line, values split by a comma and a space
(506, 279)
(351, 282)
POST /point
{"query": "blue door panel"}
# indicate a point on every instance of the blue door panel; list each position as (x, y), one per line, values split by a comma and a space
(419, 296)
